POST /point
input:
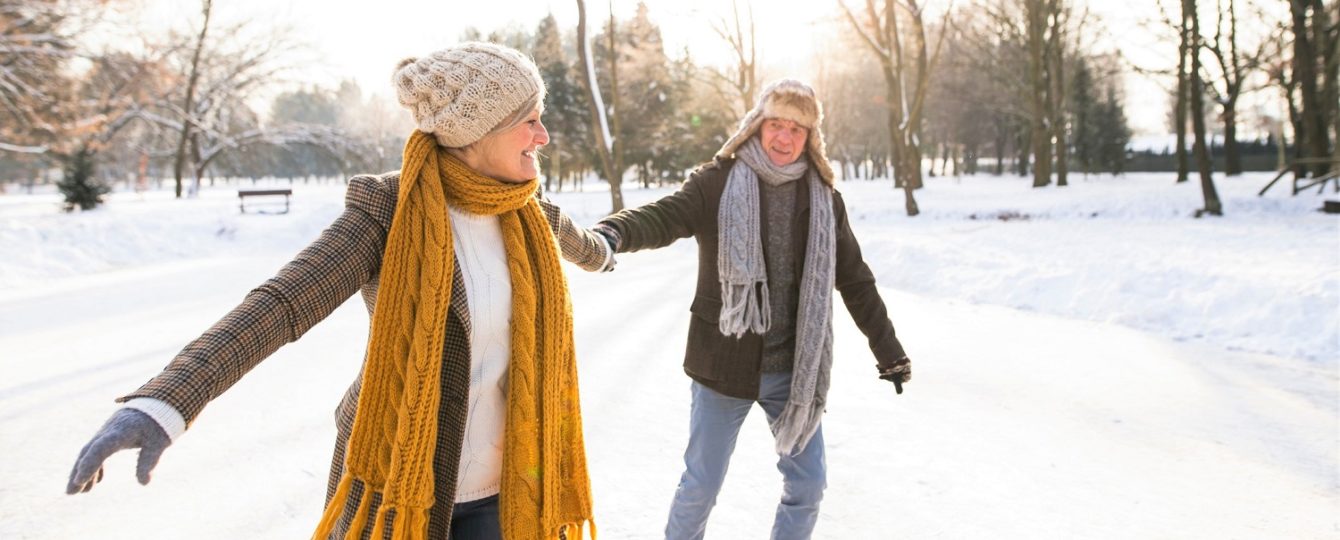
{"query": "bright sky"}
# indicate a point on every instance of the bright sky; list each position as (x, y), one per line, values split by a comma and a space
(350, 39)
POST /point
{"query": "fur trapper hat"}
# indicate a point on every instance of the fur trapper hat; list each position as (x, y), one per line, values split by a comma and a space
(461, 93)
(787, 99)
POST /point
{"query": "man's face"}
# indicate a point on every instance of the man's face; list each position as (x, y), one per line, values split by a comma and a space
(783, 140)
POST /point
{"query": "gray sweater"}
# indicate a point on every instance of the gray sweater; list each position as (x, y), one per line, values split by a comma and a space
(779, 342)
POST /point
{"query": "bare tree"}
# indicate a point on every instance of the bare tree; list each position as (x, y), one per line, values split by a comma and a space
(607, 148)
(740, 35)
(1200, 148)
(1328, 26)
(1183, 90)
(1235, 66)
(36, 41)
(855, 108)
(233, 64)
(1039, 23)
(1313, 139)
(1057, 54)
(906, 80)
(188, 105)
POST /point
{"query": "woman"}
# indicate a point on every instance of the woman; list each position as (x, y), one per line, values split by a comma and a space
(456, 246)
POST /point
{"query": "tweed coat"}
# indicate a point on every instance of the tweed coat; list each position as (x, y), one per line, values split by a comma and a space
(345, 259)
(726, 364)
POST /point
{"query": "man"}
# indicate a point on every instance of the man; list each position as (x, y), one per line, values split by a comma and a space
(773, 243)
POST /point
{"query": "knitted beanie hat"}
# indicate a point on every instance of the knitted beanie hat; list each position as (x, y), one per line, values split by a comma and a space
(787, 99)
(461, 93)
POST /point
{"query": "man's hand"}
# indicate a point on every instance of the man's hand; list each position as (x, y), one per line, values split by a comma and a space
(611, 238)
(126, 429)
(899, 372)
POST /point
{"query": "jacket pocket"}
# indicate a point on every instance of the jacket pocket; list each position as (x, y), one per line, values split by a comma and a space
(702, 357)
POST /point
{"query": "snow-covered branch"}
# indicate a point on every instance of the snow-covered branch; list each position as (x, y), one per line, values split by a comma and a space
(22, 149)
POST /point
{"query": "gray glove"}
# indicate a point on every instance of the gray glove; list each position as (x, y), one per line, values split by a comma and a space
(127, 428)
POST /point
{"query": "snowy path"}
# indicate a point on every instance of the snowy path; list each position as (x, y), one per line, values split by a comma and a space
(1017, 425)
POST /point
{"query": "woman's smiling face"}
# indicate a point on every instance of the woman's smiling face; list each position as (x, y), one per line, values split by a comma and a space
(510, 155)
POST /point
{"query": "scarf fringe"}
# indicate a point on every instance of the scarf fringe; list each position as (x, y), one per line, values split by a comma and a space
(743, 310)
(564, 529)
(334, 508)
(408, 524)
(797, 424)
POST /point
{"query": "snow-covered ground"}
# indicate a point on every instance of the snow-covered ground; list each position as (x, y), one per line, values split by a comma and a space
(1090, 363)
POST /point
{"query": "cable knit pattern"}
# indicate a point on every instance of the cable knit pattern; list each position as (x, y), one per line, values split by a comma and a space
(813, 358)
(461, 93)
(745, 303)
(545, 489)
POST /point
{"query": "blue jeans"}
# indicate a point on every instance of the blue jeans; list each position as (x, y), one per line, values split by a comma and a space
(476, 520)
(714, 424)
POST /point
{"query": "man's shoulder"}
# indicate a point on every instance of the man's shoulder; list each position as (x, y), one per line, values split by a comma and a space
(712, 172)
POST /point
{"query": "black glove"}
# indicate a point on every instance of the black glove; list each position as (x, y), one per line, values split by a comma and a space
(127, 428)
(899, 372)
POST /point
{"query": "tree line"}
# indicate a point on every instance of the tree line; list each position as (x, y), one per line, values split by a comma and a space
(1003, 87)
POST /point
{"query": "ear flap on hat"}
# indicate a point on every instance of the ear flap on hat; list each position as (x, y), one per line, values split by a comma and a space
(792, 100)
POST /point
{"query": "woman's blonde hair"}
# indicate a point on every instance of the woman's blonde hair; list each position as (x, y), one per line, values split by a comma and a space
(536, 102)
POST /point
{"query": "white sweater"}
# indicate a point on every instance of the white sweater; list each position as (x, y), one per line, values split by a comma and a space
(488, 288)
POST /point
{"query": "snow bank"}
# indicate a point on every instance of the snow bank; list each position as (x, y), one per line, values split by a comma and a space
(1263, 278)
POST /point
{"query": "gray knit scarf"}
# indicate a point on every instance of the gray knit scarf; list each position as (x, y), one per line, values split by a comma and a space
(744, 284)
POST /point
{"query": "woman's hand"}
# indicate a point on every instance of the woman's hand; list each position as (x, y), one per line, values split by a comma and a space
(127, 428)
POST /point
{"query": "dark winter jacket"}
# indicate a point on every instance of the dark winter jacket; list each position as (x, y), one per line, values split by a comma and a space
(723, 363)
(345, 259)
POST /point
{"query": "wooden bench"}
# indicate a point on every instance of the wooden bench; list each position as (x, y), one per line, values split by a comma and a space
(1302, 183)
(242, 195)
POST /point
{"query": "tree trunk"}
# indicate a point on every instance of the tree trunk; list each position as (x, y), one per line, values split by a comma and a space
(616, 181)
(1331, 72)
(886, 42)
(1056, 63)
(1232, 70)
(1040, 133)
(1212, 206)
(1002, 139)
(179, 164)
(1289, 85)
(1021, 166)
(609, 162)
(1232, 150)
(1313, 138)
(1180, 110)
(555, 165)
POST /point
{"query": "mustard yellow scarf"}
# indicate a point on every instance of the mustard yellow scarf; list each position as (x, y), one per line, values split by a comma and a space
(545, 489)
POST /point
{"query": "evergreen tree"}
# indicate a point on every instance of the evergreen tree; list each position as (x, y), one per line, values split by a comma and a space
(1113, 134)
(646, 93)
(1083, 106)
(565, 109)
(79, 186)
(699, 127)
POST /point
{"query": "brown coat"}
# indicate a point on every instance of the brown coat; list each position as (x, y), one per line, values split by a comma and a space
(345, 259)
(726, 364)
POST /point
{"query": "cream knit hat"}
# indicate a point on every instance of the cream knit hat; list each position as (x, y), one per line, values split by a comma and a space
(461, 93)
(787, 99)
